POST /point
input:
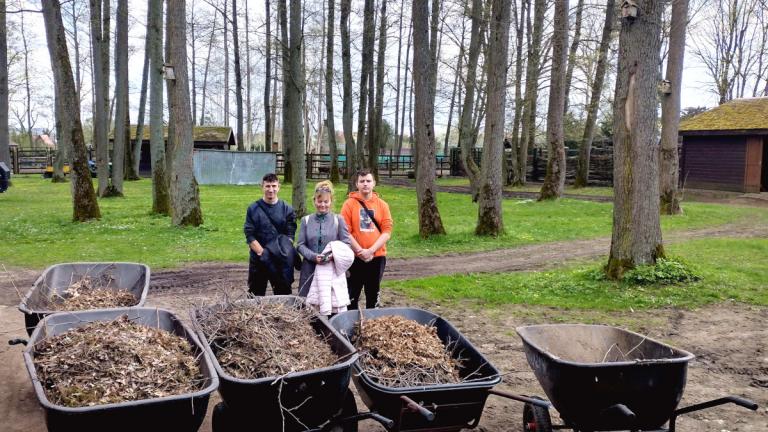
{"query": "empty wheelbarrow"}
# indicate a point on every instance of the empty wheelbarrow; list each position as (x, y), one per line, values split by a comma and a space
(602, 378)
(184, 412)
(49, 287)
(443, 407)
(317, 399)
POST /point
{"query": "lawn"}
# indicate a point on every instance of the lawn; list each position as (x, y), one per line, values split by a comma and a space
(36, 230)
(730, 269)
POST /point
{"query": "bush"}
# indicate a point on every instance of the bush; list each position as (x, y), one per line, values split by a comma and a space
(666, 271)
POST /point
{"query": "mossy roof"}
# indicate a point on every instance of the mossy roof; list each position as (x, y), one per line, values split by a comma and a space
(738, 114)
(199, 133)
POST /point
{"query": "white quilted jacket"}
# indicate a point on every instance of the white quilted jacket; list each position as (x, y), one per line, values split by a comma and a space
(328, 290)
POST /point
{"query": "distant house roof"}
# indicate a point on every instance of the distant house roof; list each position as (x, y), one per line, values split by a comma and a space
(734, 117)
(46, 140)
(212, 134)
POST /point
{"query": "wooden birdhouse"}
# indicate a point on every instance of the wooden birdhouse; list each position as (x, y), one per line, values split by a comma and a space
(629, 9)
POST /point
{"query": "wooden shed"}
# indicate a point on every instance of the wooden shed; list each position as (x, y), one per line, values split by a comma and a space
(204, 137)
(726, 148)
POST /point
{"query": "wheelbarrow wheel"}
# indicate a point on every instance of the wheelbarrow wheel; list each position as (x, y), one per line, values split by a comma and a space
(536, 419)
(349, 409)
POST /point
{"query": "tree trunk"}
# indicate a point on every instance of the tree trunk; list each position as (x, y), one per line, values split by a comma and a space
(185, 198)
(489, 219)
(294, 87)
(205, 72)
(636, 235)
(331, 126)
(226, 63)
(670, 111)
(5, 149)
(62, 152)
(139, 139)
(528, 136)
(455, 87)
(27, 82)
(76, 46)
(84, 203)
(430, 223)
(582, 170)
(349, 140)
(397, 131)
(248, 73)
(267, 79)
(376, 143)
(406, 94)
(554, 182)
(238, 80)
(518, 20)
(193, 59)
(572, 52)
(100, 19)
(365, 72)
(466, 129)
(287, 138)
(161, 200)
(119, 143)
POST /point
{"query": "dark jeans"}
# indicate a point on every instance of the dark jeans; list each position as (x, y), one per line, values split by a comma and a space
(258, 275)
(368, 275)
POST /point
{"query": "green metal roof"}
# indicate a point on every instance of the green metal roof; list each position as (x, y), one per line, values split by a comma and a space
(199, 133)
(738, 114)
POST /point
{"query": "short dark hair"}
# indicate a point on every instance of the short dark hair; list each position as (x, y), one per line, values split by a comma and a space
(270, 178)
(362, 172)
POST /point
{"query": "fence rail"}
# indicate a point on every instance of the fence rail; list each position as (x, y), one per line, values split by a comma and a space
(25, 161)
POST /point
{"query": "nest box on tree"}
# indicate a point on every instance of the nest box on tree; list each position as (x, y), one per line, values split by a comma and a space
(665, 87)
(629, 9)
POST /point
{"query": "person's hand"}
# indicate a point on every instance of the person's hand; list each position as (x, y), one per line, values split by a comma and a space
(365, 255)
(319, 259)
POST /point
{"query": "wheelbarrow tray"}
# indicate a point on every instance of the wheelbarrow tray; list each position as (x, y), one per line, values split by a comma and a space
(587, 370)
(455, 406)
(183, 412)
(314, 396)
(57, 278)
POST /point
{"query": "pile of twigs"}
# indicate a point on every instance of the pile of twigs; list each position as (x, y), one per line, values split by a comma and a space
(399, 352)
(257, 340)
(115, 361)
(92, 292)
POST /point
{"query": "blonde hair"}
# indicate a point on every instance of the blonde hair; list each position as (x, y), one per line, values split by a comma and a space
(324, 187)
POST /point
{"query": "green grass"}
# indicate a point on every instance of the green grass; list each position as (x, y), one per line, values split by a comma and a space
(731, 269)
(36, 228)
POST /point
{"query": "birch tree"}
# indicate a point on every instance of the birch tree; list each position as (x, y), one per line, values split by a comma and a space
(84, 203)
(636, 237)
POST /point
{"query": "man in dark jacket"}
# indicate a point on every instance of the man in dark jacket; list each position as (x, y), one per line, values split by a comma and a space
(270, 225)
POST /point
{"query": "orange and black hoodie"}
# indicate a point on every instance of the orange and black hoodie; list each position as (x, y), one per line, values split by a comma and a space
(362, 229)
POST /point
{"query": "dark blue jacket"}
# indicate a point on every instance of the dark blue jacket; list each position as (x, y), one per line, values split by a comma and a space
(275, 236)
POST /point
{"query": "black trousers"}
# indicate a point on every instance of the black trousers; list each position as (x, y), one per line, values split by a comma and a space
(258, 276)
(365, 275)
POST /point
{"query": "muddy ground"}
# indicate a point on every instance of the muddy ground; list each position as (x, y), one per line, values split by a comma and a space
(729, 339)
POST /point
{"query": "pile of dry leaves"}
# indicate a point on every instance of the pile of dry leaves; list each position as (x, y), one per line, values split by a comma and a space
(399, 352)
(115, 361)
(92, 292)
(257, 340)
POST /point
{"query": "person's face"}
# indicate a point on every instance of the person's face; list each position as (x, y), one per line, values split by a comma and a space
(270, 190)
(323, 202)
(365, 184)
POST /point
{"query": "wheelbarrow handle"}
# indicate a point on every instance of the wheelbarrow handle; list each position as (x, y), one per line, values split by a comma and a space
(18, 341)
(529, 400)
(413, 406)
(746, 403)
